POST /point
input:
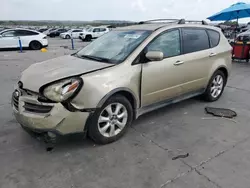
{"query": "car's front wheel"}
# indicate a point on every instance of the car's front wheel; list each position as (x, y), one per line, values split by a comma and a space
(67, 37)
(215, 87)
(111, 121)
(88, 38)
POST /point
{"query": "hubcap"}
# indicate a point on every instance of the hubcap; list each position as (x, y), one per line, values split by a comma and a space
(112, 119)
(217, 86)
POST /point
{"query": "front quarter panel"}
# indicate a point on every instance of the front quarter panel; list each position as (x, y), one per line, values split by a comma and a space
(99, 84)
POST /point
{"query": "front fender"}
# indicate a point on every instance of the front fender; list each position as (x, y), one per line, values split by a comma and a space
(118, 90)
(100, 85)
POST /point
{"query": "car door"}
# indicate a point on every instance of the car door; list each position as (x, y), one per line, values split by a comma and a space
(73, 33)
(103, 31)
(9, 39)
(76, 33)
(161, 80)
(196, 60)
(96, 32)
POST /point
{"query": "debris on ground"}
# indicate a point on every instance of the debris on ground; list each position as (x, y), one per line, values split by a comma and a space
(180, 156)
(221, 112)
(65, 47)
(49, 149)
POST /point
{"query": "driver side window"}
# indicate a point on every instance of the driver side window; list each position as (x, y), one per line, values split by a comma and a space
(96, 30)
(168, 43)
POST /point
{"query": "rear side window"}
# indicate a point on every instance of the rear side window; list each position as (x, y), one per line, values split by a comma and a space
(75, 31)
(194, 40)
(102, 29)
(25, 33)
(96, 30)
(214, 38)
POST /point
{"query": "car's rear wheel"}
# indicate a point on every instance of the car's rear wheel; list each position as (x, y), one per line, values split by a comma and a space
(110, 122)
(215, 87)
(35, 45)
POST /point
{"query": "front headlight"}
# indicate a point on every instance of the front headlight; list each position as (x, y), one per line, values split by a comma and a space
(63, 90)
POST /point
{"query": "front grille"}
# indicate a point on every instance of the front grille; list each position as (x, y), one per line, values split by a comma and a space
(44, 99)
(15, 100)
(36, 108)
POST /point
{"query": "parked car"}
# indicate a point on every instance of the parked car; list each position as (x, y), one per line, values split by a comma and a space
(125, 73)
(74, 33)
(42, 30)
(49, 30)
(29, 38)
(57, 32)
(93, 33)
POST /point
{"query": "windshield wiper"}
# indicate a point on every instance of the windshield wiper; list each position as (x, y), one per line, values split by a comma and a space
(100, 59)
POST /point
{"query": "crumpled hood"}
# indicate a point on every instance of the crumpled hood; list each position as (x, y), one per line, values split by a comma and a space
(51, 70)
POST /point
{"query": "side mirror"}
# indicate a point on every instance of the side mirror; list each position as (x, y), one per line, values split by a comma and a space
(155, 55)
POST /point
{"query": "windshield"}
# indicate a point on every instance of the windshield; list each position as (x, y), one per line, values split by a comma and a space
(114, 47)
(89, 29)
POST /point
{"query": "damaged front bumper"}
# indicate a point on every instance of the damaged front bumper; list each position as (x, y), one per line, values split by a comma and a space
(44, 117)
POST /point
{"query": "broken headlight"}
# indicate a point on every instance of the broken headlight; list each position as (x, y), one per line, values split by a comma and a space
(63, 90)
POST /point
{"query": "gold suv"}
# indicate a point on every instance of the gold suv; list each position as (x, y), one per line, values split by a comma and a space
(125, 73)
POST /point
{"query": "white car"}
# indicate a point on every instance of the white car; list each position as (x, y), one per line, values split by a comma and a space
(29, 38)
(93, 33)
(74, 33)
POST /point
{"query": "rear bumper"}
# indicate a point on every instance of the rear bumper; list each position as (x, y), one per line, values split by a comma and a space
(57, 119)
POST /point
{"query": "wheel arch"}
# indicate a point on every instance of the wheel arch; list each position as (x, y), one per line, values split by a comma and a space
(34, 41)
(220, 68)
(224, 70)
(129, 94)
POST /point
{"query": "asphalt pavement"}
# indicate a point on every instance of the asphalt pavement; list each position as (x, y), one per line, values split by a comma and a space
(146, 157)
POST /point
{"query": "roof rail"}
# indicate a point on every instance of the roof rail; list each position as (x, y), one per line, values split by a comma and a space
(160, 21)
(203, 22)
(178, 21)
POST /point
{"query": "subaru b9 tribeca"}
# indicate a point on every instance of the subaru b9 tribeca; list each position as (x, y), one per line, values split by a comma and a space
(103, 87)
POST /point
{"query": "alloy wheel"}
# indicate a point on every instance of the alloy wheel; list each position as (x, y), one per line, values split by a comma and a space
(112, 119)
(217, 86)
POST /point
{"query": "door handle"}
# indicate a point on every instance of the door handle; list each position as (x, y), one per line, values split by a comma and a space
(212, 54)
(178, 63)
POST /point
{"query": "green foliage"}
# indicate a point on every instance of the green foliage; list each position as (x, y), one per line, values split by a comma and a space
(116, 23)
(230, 23)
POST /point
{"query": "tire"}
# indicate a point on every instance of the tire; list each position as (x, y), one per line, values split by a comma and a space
(102, 120)
(215, 88)
(88, 38)
(35, 45)
(67, 37)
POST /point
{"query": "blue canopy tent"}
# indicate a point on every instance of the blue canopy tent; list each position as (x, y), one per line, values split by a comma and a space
(234, 12)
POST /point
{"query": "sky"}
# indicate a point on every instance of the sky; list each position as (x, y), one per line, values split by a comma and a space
(134, 10)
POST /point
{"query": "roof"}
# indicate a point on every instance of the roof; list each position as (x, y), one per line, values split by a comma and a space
(150, 27)
(19, 29)
(155, 26)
